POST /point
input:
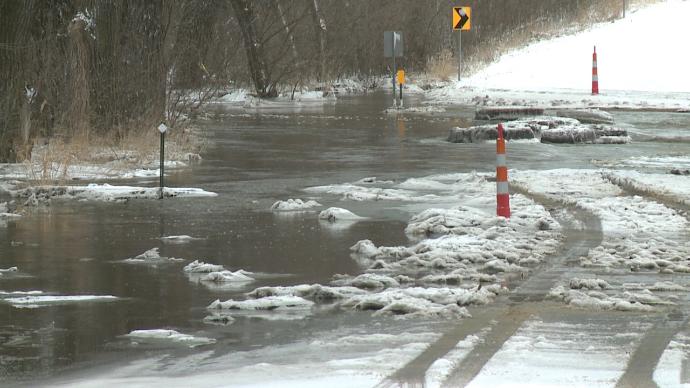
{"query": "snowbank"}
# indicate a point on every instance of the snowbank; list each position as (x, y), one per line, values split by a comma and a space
(565, 62)
(556, 73)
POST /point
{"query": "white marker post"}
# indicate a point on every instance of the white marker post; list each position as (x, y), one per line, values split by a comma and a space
(162, 129)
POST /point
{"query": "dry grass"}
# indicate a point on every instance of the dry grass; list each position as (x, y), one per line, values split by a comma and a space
(443, 66)
(56, 160)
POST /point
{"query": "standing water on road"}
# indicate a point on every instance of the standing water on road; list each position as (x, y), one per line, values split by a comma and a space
(254, 159)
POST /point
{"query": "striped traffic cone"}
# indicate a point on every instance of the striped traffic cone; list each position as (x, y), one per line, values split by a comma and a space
(502, 195)
(595, 76)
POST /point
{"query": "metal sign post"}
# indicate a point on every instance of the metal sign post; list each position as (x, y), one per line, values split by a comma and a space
(401, 82)
(392, 48)
(162, 129)
(462, 21)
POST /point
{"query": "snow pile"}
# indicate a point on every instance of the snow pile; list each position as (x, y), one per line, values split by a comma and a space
(294, 204)
(169, 335)
(467, 245)
(36, 301)
(104, 192)
(181, 239)
(152, 256)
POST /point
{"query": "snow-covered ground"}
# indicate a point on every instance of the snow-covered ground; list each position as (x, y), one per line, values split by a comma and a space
(640, 65)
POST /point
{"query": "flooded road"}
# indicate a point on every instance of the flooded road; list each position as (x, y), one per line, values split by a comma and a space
(253, 160)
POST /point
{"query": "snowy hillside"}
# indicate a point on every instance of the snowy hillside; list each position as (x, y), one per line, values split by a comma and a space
(645, 51)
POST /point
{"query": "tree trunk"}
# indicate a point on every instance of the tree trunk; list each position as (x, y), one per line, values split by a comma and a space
(255, 57)
(78, 115)
(288, 31)
(320, 29)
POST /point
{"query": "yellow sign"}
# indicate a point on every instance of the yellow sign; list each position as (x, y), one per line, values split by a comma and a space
(462, 18)
(401, 77)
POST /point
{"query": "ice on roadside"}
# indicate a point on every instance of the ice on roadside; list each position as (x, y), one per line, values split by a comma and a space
(152, 256)
(181, 239)
(104, 192)
(546, 129)
(164, 335)
(294, 205)
(627, 301)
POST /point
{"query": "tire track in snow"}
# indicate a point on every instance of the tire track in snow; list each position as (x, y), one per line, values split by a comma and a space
(640, 369)
(507, 313)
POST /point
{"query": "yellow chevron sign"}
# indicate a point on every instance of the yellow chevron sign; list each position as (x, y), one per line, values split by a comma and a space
(462, 18)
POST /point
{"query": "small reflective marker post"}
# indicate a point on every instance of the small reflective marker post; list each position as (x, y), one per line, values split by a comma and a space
(162, 129)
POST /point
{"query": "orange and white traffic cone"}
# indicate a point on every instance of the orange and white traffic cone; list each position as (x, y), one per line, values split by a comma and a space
(502, 195)
(595, 76)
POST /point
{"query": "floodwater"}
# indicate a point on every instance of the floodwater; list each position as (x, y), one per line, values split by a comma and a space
(254, 159)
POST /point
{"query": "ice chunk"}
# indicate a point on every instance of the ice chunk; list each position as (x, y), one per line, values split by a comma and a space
(170, 335)
(294, 204)
(34, 301)
(200, 267)
(333, 214)
(227, 276)
(151, 257)
(266, 303)
(181, 239)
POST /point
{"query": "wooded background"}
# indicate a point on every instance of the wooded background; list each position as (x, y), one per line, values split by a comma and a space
(106, 67)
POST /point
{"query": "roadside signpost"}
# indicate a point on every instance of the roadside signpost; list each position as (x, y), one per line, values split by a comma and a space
(392, 48)
(162, 129)
(462, 21)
